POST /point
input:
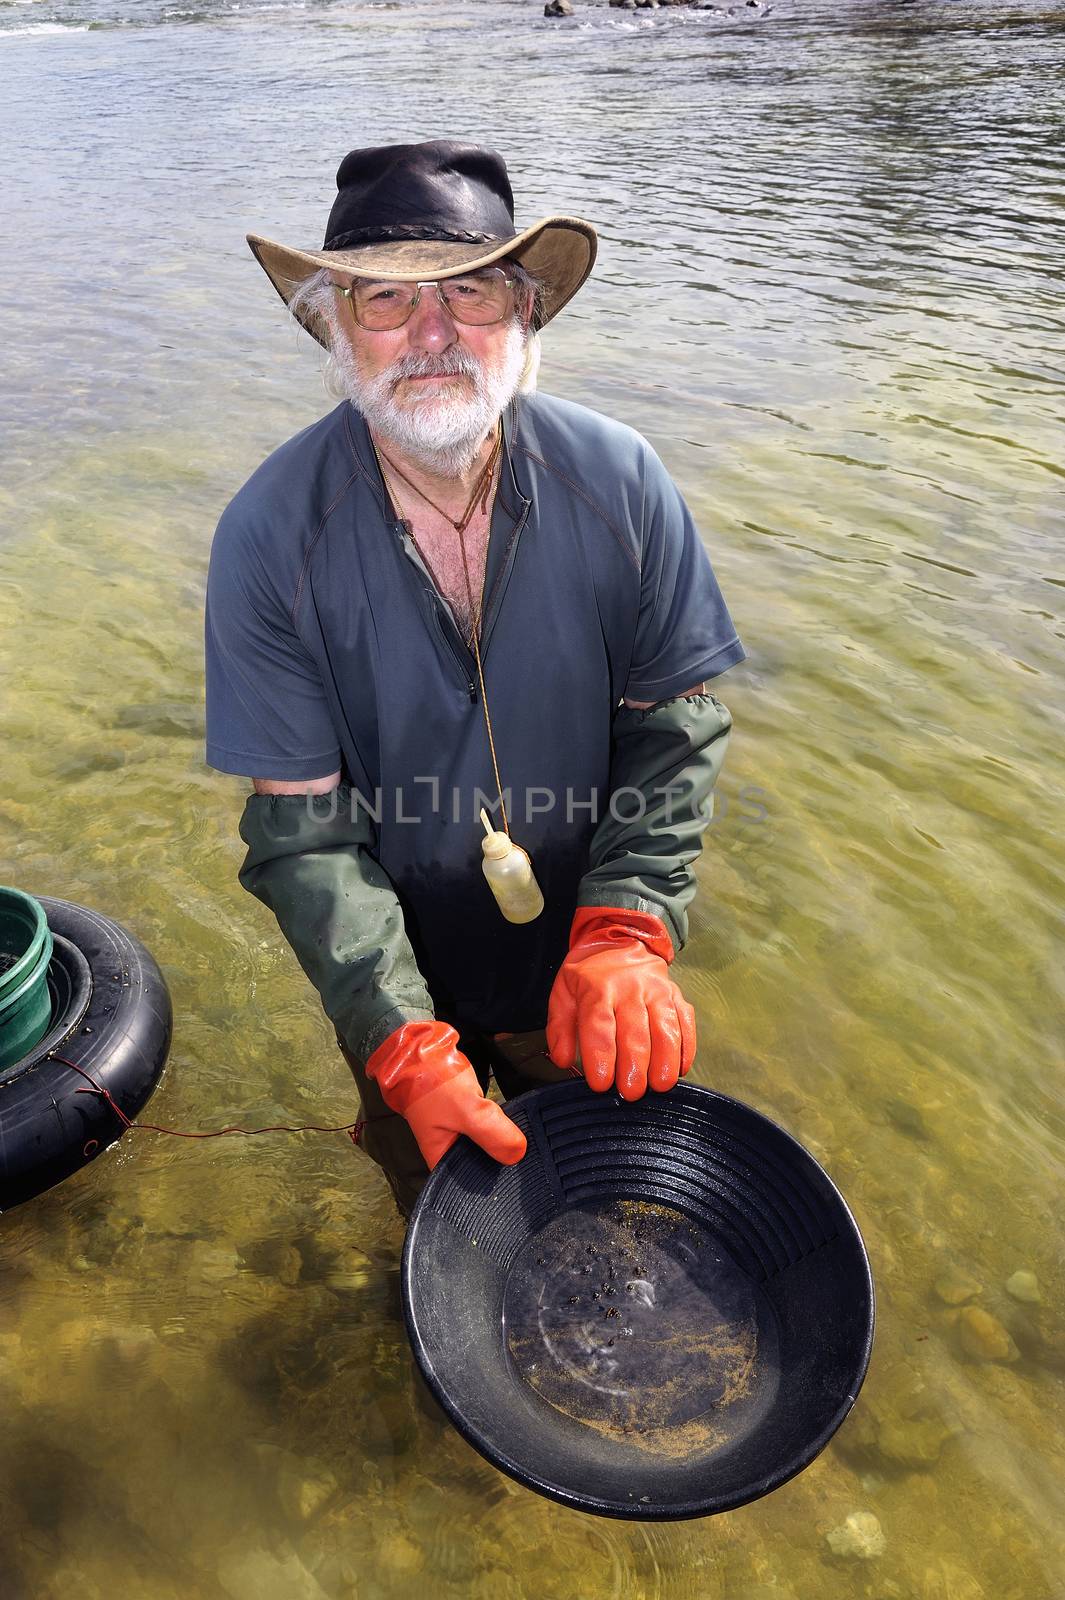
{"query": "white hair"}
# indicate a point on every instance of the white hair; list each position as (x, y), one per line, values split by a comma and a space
(314, 305)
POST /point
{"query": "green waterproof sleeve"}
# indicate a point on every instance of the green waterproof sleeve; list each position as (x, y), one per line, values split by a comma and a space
(664, 764)
(309, 860)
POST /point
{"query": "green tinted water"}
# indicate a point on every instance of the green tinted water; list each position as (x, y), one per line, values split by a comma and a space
(836, 313)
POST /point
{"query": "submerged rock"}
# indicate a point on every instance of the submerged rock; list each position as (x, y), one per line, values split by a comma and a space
(303, 1484)
(274, 1258)
(983, 1338)
(954, 1287)
(947, 1581)
(1027, 1328)
(907, 1117)
(213, 1263)
(859, 1538)
(385, 1426)
(303, 1487)
(558, 8)
(400, 1556)
(166, 719)
(1024, 1286)
(351, 1271)
(243, 1573)
(911, 1444)
(856, 1441)
(338, 1567)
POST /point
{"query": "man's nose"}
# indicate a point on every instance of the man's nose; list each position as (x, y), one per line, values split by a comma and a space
(431, 326)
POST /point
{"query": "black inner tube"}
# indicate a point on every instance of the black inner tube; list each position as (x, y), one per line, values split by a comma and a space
(111, 1023)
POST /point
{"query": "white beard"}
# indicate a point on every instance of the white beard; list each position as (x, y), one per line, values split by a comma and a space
(442, 431)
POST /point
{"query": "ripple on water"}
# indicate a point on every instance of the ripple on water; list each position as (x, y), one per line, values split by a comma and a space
(827, 292)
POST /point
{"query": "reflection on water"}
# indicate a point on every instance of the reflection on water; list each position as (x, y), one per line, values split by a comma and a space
(829, 291)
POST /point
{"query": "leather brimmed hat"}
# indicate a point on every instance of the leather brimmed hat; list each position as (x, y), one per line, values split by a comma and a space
(433, 210)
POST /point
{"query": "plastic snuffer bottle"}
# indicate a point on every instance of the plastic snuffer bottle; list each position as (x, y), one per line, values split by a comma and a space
(510, 875)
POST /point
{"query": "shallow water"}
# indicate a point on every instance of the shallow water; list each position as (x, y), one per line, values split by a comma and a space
(830, 293)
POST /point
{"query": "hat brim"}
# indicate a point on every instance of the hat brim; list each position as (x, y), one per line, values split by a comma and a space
(558, 251)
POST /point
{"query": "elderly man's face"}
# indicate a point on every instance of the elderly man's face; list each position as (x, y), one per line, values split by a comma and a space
(434, 386)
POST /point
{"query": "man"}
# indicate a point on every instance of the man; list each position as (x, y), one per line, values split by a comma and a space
(452, 595)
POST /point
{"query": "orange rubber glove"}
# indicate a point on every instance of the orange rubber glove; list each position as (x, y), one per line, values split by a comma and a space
(614, 999)
(429, 1082)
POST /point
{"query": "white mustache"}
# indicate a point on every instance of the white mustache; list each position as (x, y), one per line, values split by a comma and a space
(449, 364)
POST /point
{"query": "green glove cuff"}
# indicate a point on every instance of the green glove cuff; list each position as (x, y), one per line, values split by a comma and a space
(309, 860)
(664, 764)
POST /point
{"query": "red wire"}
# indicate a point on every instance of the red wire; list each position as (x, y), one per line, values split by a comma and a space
(352, 1129)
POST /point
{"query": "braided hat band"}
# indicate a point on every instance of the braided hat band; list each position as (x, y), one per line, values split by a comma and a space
(432, 210)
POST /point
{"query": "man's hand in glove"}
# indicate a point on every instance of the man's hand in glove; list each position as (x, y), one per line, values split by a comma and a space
(422, 1075)
(613, 999)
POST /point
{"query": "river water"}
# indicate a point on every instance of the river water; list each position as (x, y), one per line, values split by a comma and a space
(830, 293)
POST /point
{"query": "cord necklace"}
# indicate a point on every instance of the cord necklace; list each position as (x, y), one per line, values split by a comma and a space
(483, 490)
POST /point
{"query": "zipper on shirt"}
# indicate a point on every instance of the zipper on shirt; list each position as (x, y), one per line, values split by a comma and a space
(447, 629)
(444, 621)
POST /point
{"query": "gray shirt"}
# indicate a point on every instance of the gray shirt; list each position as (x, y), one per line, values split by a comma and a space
(328, 646)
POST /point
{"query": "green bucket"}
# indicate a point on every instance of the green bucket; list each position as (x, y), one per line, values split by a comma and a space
(25, 952)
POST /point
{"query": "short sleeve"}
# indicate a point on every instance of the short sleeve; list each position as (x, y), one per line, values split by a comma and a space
(267, 713)
(684, 634)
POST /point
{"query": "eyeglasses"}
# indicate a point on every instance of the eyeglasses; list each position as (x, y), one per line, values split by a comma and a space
(479, 298)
